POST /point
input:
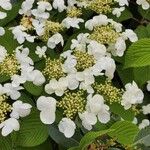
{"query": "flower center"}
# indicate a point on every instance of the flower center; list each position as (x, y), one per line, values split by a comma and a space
(101, 6)
(72, 103)
(74, 12)
(111, 94)
(5, 108)
(53, 69)
(84, 60)
(26, 22)
(104, 34)
(9, 66)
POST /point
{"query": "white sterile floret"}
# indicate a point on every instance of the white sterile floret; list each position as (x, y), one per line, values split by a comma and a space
(148, 85)
(6, 4)
(22, 55)
(59, 4)
(130, 34)
(67, 127)
(107, 64)
(40, 51)
(72, 22)
(2, 90)
(122, 2)
(2, 31)
(11, 91)
(118, 11)
(57, 87)
(20, 35)
(40, 12)
(20, 109)
(47, 107)
(3, 15)
(80, 42)
(9, 125)
(132, 95)
(88, 120)
(144, 3)
(55, 40)
(96, 49)
(17, 80)
(146, 109)
(96, 21)
(3, 53)
(26, 7)
(144, 124)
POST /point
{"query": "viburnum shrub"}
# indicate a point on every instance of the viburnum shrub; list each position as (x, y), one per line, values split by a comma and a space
(74, 74)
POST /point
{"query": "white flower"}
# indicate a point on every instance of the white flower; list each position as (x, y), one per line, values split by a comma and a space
(107, 64)
(22, 55)
(2, 15)
(144, 124)
(54, 40)
(96, 106)
(20, 35)
(17, 80)
(144, 3)
(26, 7)
(80, 43)
(67, 127)
(6, 5)
(88, 120)
(20, 109)
(96, 21)
(148, 85)
(130, 34)
(2, 31)
(11, 91)
(2, 90)
(72, 22)
(40, 51)
(96, 49)
(57, 87)
(122, 2)
(3, 53)
(132, 95)
(146, 109)
(59, 4)
(40, 13)
(9, 125)
(118, 11)
(117, 26)
(47, 106)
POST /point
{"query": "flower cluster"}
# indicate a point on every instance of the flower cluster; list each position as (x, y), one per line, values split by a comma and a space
(72, 56)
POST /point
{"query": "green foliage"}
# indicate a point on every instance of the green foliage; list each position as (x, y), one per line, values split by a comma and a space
(124, 132)
(138, 54)
(5, 143)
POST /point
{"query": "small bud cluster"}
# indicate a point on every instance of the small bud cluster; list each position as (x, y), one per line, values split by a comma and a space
(9, 66)
(136, 110)
(84, 60)
(74, 12)
(111, 94)
(5, 108)
(101, 6)
(72, 103)
(104, 34)
(53, 69)
(26, 22)
(50, 29)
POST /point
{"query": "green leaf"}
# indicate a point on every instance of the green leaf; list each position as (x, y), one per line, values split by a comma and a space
(119, 110)
(32, 131)
(7, 40)
(11, 14)
(4, 78)
(60, 138)
(33, 89)
(144, 13)
(138, 54)
(124, 132)
(143, 137)
(5, 143)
